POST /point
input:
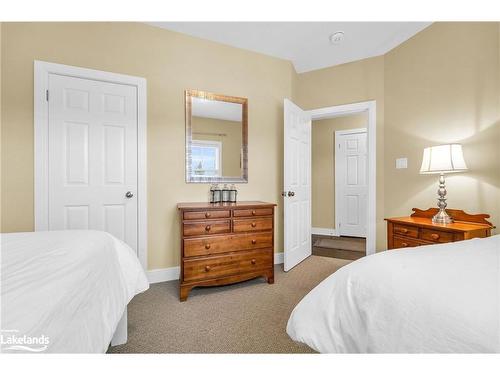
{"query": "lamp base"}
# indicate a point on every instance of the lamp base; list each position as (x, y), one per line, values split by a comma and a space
(442, 217)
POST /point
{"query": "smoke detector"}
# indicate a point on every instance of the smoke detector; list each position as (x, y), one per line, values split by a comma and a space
(337, 37)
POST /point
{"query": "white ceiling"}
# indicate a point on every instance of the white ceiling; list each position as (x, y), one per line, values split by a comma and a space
(306, 44)
(216, 109)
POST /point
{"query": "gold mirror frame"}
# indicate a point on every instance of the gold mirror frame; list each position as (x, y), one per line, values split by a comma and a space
(189, 94)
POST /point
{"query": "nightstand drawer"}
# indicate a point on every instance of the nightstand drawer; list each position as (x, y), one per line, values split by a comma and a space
(406, 230)
(402, 243)
(436, 235)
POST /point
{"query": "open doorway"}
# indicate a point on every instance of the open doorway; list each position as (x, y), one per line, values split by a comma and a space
(297, 179)
(339, 186)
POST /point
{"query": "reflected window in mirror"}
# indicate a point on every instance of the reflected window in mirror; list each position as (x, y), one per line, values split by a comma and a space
(216, 137)
(206, 158)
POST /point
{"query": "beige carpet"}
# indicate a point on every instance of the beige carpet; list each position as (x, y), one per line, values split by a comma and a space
(248, 317)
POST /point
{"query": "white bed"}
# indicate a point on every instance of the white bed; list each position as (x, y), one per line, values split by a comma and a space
(440, 298)
(71, 287)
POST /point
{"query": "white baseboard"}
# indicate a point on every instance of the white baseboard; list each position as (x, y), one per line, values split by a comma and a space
(279, 258)
(160, 275)
(324, 231)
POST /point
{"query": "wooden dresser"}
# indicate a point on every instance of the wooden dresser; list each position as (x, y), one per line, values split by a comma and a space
(418, 229)
(225, 243)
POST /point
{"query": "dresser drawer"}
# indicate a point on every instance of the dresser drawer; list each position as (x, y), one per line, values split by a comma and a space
(224, 244)
(436, 235)
(250, 225)
(226, 265)
(401, 242)
(206, 227)
(405, 230)
(211, 214)
(253, 212)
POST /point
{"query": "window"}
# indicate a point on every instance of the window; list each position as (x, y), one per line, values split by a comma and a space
(206, 158)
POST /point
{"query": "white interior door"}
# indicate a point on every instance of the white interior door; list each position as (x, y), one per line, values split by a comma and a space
(351, 183)
(93, 156)
(297, 185)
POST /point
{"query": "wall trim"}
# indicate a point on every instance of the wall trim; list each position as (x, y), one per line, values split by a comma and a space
(324, 231)
(41, 72)
(160, 275)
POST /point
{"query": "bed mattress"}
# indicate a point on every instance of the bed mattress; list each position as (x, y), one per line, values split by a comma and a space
(65, 290)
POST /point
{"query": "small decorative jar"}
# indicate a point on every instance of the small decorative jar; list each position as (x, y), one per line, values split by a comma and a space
(232, 194)
(225, 194)
(217, 194)
(211, 194)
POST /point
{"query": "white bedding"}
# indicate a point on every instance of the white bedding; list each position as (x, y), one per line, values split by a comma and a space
(440, 298)
(70, 286)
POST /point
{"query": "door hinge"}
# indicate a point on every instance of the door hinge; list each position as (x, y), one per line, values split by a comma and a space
(47, 95)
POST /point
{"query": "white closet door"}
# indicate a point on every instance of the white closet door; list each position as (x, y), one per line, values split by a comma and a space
(297, 185)
(93, 156)
(351, 184)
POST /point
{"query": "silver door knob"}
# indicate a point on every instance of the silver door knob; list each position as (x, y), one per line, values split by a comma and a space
(129, 194)
(291, 193)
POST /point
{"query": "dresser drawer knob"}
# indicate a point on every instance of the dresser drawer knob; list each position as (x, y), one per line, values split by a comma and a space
(207, 214)
(253, 212)
(403, 230)
(207, 246)
(207, 268)
(207, 228)
(254, 261)
(254, 242)
(254, 225)
(404, 244)
(435, 236)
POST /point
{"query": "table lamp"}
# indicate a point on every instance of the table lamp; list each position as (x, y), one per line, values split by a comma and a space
(443, 159)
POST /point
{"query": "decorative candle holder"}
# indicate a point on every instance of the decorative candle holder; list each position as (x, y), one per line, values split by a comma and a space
(233, 194)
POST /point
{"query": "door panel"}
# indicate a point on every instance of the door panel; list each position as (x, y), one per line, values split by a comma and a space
(76, 217)
(350, 183)
(297, 184)
(93, 156)
(76, 153)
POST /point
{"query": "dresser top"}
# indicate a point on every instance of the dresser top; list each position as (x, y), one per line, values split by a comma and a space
(213, 206)
(457, 226)
(464, 222)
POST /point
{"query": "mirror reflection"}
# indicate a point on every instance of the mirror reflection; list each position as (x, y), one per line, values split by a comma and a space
(216, 131)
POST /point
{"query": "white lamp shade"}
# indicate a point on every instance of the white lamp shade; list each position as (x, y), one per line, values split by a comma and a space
(443, 159)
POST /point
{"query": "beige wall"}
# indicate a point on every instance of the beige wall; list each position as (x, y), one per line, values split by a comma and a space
(349, 83)
(231, 141)
(323, 166)
(443, 86)
(171, 63)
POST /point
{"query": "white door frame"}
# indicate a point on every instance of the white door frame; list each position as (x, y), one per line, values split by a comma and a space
(42, 70)
(338, 134)
(351, 109)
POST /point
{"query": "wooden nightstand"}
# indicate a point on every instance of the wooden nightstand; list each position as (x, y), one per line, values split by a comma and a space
(418, 229)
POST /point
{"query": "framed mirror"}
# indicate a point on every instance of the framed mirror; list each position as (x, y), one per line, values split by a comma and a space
(216, 138)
